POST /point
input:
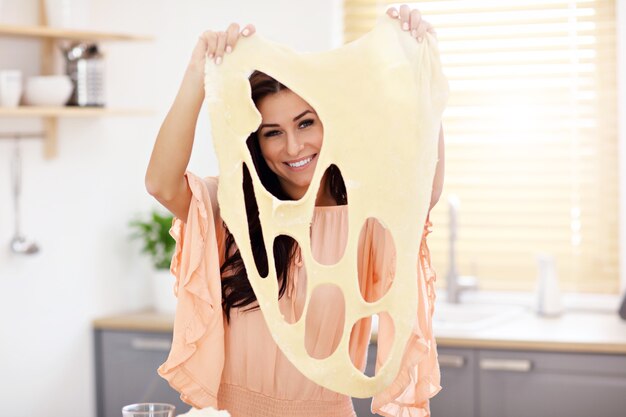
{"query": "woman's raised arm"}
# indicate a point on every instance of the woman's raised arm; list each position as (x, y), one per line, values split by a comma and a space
(165, 178)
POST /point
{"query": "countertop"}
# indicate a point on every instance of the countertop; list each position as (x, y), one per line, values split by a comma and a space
(583, 332)
(575, 331)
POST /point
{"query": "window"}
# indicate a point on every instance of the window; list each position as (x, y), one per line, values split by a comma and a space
(531, 137)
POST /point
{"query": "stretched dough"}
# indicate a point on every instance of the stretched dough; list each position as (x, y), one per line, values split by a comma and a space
(380, 99)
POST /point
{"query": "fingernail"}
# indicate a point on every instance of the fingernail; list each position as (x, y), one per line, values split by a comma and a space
(245, 32)
(394, 13)
(420, 39)
(405, 26)
(414, 33)
(211, 55)
(218, 60)
(229, 49)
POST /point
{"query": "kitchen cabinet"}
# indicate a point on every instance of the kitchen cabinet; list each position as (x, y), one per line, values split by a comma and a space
(362, 406)
(126, 364)
(458, 396)
(510, 383)
(48, 36)
(516, 384)
(480, 377)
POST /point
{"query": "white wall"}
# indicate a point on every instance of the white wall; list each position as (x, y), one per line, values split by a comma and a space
(77, 206)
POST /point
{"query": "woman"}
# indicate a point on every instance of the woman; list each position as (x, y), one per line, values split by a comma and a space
(223, 355)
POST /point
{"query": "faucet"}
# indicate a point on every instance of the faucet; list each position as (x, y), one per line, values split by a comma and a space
(455, 283)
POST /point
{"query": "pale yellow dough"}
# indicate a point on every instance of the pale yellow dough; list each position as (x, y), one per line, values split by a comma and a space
(380, 100)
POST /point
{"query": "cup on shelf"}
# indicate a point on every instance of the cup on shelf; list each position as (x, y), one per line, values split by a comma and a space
(10, 88)
(148, 410)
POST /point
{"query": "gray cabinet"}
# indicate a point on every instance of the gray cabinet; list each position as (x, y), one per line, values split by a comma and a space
(509, 383)
(516, 384)
(457, 375)
(476, 382)
(362, 406)
(457, 397)
(126, 364)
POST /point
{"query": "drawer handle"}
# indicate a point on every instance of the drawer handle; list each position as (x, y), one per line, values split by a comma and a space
(160, 345)
(451, 361)
(514, 365)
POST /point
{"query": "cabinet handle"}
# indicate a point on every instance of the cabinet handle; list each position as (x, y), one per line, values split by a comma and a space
(159, 345)
(515, 365)
(451, 361)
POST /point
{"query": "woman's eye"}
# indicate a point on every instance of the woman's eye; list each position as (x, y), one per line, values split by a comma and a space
(306, 123)
(271, 133)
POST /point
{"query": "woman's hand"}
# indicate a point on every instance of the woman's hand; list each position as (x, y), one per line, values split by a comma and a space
(215, 44)
(411, 20)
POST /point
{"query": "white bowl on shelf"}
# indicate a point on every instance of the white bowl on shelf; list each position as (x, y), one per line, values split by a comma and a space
(48, 90)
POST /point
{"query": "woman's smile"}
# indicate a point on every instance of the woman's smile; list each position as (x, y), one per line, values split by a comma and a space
(301, 164)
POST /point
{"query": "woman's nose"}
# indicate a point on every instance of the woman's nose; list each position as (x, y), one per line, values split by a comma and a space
(294, 145)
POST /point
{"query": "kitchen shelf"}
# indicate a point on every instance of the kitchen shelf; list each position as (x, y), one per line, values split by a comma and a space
(67, 34)
(38, 111)
(50, 117)
(49, 36)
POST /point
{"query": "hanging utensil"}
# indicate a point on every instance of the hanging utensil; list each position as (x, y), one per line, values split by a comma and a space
(19, 244)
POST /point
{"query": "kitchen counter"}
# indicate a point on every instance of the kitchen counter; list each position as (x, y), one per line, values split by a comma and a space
(576, 331)
(584, 332)
(145, 320)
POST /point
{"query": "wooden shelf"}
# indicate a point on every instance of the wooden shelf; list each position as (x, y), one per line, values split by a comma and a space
(48, 36)
(50, 117)
(67, 34)
(67, 111)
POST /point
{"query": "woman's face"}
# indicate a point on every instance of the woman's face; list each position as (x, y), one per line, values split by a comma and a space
(290, 137)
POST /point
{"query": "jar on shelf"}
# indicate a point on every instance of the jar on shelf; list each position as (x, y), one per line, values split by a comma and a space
(85, 66)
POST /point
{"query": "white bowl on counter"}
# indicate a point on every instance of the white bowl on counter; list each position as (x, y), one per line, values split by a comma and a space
(48, 90)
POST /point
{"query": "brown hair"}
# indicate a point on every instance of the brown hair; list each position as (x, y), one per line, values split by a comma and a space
(236, 288)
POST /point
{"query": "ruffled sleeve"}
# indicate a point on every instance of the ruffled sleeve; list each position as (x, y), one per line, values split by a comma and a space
(419, 377)
(195, 362)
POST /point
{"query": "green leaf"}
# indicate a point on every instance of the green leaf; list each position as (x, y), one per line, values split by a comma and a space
(153, 231)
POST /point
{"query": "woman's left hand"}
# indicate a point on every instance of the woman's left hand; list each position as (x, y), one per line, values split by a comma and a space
(411, 21)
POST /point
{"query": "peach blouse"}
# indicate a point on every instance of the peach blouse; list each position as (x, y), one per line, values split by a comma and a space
(237, 366)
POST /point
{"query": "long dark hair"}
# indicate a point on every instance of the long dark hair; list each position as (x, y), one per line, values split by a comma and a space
(236, 289)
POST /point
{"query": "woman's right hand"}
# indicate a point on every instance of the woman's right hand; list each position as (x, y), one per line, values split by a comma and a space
(215, 44)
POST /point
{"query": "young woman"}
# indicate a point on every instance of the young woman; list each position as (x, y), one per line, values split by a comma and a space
(223, 355)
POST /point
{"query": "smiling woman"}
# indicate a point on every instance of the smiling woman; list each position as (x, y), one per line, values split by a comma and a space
(290, 147)
(225, 352)
(286, 146)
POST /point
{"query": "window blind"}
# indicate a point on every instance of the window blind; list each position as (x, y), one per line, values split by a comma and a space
(531, 137)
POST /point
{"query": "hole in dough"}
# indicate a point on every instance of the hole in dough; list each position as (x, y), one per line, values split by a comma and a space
(264, 86)
(376, 260)
(325, 317)
(367, 332)
(255, 230)
(328, 248)
(295, 285)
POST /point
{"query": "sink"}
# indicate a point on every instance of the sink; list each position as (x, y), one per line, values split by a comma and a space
(470, 317)
(466, 317)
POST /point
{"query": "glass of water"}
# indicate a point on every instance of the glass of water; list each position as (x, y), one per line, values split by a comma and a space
(148, 410)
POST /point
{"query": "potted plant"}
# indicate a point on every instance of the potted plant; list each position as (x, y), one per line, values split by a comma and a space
(159, 245)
